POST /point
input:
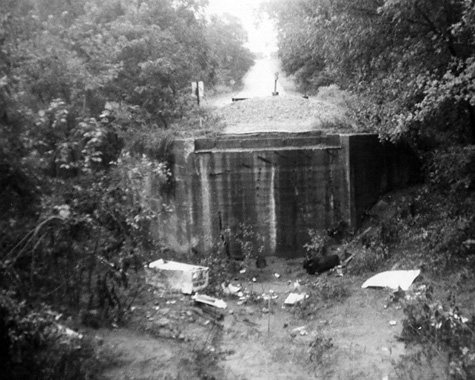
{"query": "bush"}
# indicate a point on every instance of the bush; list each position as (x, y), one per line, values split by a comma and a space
(34, 346)
(443, 332)
(453, 169)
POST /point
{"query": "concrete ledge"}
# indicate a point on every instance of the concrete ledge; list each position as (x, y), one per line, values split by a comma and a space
(266, 140)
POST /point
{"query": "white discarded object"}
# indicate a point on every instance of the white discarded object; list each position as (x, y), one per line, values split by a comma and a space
(231, 289)
(276, 275)
(67, 333)
(392, 323)
(203, 298)
(300, 330)
(177, 276)
(294, 298)
(393, 279)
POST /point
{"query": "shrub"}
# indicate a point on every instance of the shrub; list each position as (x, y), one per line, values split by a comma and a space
(452, 169)
(443, 332)
(34, 346)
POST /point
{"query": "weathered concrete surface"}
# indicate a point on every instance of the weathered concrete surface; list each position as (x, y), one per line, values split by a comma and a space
(281, 185)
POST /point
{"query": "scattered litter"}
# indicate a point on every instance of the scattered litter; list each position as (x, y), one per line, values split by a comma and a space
(231, 289)
(202, 298)
(177, 276)
(392, 323)
(276, 275)
(254, 279)
(300, 330)
(394, 279)
(242, 271)
(67, 333)
(294, 298)
(339, 271)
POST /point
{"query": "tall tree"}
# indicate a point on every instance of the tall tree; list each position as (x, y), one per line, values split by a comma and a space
(412, 59)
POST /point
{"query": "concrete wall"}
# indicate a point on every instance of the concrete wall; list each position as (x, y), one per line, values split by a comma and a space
(279, 184)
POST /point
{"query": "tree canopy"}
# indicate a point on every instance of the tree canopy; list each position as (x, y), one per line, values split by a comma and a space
(88, 90)
(413, 61)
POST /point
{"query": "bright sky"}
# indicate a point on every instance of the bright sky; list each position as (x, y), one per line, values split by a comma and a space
(261, 34)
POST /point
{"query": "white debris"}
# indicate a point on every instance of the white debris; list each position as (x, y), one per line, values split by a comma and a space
(203, 298)
(294, 298)
(394, 279)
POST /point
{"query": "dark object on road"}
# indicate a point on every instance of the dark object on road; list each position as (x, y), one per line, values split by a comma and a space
(261, 262)
(321, 264)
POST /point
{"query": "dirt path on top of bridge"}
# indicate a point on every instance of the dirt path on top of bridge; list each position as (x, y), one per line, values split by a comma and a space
(258, 110)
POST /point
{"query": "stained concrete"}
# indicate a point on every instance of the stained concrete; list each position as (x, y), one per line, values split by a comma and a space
(280, 184)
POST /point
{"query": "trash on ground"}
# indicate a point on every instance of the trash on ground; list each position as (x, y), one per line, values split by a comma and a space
(177, 276)
(392, 323)
(276, 275)
(294, 298)
(231, 289)
(66, 333)
(203, 298)
(394, 279)
(299, 330)
(242, 271)
(339, 271)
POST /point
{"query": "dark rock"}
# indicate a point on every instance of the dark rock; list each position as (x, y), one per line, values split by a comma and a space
(261, 262)
(321, 264)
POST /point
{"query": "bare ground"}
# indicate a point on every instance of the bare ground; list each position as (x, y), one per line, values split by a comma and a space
(351, 336)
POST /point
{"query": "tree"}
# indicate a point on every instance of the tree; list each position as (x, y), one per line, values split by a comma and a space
(87, 89)
(411, 60)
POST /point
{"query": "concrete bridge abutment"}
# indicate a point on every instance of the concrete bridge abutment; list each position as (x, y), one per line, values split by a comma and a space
(279, 185)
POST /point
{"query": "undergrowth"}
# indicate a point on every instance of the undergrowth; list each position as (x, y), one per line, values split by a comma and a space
(35, 345)
(238, 249)
(441, 334)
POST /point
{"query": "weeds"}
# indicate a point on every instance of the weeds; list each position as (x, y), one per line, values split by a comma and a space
(442, 333)
(321, 356)
(35, 344)
(225, 262)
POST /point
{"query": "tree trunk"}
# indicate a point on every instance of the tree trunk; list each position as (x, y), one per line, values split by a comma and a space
(471, 132)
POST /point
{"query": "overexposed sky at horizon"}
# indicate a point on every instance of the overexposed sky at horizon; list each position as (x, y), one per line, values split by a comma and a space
(262, 37)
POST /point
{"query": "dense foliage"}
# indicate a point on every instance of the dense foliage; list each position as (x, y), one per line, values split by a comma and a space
(89, 92)
(411, 61)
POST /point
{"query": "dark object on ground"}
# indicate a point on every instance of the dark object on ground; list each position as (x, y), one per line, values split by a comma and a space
(261, 262)
(321, 264)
